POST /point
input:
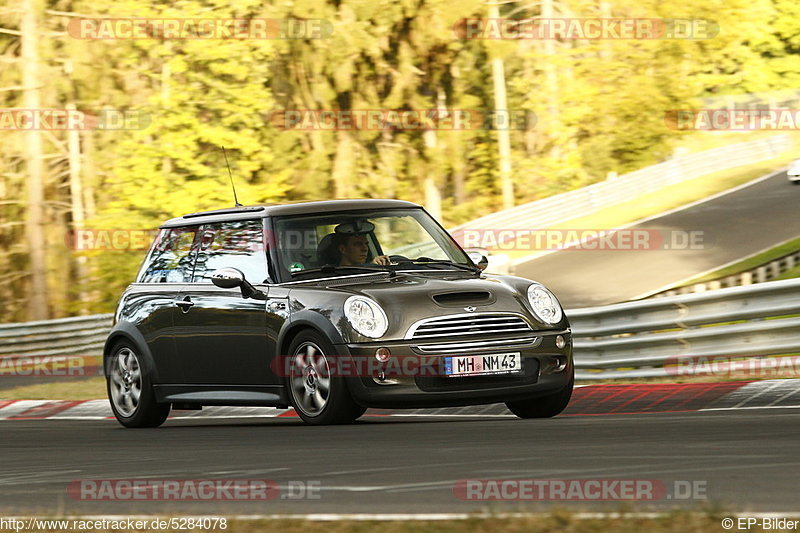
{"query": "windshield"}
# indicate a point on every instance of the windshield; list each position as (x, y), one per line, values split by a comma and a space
(358, 242)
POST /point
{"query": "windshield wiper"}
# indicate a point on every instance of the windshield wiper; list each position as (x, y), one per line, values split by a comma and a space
(425, 261)
(330, 269)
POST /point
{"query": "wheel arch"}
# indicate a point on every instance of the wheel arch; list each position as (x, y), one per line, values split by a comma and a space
(311, 321)
(126, 331)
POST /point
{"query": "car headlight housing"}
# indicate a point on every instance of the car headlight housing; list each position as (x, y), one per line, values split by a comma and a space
(544, 304)
(366, 316)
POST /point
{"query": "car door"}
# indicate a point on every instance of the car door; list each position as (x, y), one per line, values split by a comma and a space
(150, 304)
(221, 337)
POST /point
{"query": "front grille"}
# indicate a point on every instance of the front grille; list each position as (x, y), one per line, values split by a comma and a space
(468, 325)
(479, 344)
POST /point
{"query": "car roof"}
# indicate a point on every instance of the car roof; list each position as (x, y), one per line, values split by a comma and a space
(292, 208)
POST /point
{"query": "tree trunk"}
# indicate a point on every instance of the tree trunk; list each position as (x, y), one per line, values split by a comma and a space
(77, 210)
(503, 131)
(551, 83)
(343, 166)
(34, 228)
(433, 197)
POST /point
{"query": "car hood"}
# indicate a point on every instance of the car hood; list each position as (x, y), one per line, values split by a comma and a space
(408, 298)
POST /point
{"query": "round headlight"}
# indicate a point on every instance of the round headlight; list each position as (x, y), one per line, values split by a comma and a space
(366, 316)
(544, 304)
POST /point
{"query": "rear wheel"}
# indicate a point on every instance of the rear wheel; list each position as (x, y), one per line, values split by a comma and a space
(544, 406)
(130, 389)
(317, 394)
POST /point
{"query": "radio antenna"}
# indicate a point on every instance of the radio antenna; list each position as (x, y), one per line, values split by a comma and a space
(230, 175)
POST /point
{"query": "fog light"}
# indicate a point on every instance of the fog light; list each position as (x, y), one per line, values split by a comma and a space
(382, 354)
(560, 342)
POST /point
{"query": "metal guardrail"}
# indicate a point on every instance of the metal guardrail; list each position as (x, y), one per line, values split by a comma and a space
(81, 335)
(634, 339)
(562, 207)
(651, 337)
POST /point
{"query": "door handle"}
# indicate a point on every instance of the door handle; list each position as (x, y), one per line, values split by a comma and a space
(185, 304)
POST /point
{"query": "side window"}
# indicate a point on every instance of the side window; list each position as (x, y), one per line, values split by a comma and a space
(170, 260)
(238, 244)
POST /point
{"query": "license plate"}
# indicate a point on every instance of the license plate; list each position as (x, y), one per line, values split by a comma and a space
(482, 365)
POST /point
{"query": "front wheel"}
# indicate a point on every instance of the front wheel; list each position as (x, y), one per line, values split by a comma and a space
(317, 394)
(130, 389)
(544, 406)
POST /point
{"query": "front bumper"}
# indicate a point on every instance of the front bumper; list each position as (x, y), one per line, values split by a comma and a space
(545, 369)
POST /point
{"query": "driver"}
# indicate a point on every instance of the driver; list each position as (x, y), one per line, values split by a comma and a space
(353, 250)
(350, 240)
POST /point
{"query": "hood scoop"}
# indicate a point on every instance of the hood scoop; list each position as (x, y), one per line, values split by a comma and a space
(463, 298)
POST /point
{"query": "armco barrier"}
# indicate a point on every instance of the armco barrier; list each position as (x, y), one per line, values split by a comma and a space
(636, 339)
(633, 339)
(81, 335)
(560, 208)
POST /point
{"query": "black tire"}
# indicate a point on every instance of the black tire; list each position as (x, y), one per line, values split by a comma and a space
(312, 357)
(544, 406)
(141, 412)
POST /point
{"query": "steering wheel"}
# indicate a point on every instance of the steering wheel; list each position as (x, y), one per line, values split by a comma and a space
(399, 259)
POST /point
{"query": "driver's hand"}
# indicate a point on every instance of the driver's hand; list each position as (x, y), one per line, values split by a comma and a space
(382, 260)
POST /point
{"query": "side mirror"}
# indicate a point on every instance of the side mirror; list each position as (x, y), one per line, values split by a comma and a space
(229, 278)
(478, 257)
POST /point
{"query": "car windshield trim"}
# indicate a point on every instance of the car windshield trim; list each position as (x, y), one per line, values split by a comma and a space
(344, 276)
(330, 269)
(460, 266)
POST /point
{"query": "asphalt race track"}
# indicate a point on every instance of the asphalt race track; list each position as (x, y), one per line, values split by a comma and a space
(743, 458)
(734, 226)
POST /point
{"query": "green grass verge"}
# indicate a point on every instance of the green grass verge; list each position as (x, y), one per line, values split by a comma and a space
(754, 261)
(789, 274)
(87, 389)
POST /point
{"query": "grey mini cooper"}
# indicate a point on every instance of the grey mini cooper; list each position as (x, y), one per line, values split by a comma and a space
(330, 307)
